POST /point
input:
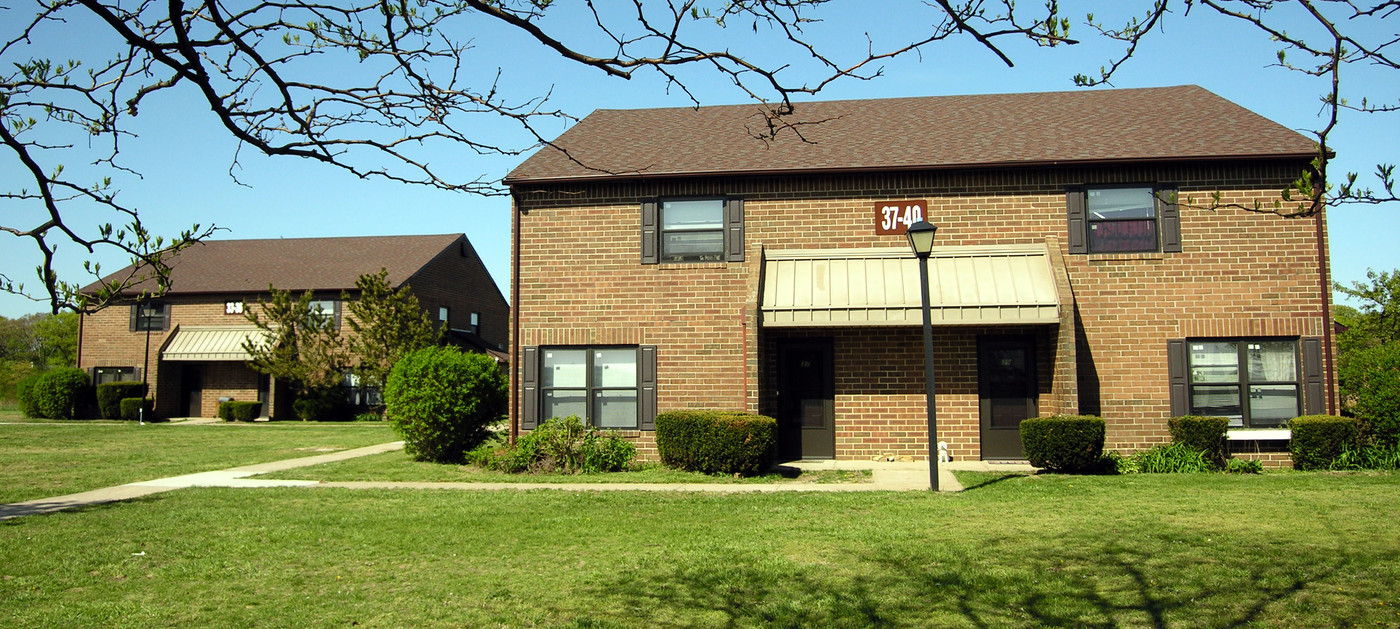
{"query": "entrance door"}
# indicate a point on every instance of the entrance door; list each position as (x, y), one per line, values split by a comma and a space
(806, 399)
(1006, 386)
(192, 390)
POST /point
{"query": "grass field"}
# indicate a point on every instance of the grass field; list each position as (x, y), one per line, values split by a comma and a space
(54, 458)
(398, 467)
(1278, 550)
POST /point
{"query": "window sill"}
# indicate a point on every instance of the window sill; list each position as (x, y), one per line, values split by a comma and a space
(1117, 257)
(1258, 434)
(678, 266)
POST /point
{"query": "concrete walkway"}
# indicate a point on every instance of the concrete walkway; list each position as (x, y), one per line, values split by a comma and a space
(885, 476)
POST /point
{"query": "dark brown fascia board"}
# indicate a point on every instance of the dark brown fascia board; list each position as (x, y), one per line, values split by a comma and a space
(890, 169)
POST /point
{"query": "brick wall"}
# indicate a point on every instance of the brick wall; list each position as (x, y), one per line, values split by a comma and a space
(1240, 274)
(457, 278)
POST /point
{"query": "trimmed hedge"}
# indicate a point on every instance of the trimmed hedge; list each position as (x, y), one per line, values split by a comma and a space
(111, 394)
(131, 408)
(1064, 443)
(1318, 440)
(234, 410)
(716, 442)
(442, 402)
(61, 393)
(24, 394)
(1206, 434)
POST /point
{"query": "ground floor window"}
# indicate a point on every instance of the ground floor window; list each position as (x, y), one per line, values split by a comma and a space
(1253, 382)
(103, 375)
(598, 384)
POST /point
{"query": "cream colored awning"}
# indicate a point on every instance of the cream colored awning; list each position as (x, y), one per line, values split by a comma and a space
(214, 342)
(980, 285)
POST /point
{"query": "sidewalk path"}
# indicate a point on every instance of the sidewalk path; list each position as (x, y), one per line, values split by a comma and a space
(884, 477)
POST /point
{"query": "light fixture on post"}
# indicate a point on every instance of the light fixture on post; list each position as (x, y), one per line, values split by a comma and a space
(920, 236)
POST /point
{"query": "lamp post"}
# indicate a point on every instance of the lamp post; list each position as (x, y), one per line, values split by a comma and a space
(144, 316)
(920, 236)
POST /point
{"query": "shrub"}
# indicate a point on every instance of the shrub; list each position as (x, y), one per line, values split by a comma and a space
(1172, 458)
(559, 445)
(328, 405)
(1370, 379)
(60, 393)
(1063, 443)
(1319, 439)
(716, 442)
(131, 408)
(1243, 466)
(1206, 434)
(369, 416)
(234, 410)
(442, 402)
(1367, 457)
(111, 394)
(24, 394)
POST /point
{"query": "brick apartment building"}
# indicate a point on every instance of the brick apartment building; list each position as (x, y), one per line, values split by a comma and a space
(197, 329)
(671, 259)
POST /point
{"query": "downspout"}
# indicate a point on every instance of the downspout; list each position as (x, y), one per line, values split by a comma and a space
(514, 317)
(1326, 314)
(78, 356)
(744, 332)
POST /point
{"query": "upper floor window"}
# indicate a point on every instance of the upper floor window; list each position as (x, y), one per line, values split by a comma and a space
(150, 317)
(442, 315)
(475, 323)
(1123, 219)
(693, 230)
(326, 309)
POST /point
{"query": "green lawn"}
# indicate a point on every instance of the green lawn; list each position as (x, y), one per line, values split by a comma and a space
(398, 467)
(54, 458)
(1278, 550)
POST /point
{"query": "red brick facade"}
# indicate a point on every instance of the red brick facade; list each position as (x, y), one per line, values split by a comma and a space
(1239, 274)
(455, 278)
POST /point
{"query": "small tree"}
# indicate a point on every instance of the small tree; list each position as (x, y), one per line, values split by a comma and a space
(388, 324)
(303, 348)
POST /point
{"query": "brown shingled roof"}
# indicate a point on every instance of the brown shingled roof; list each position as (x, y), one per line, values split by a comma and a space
(1085, 127)
(297, 264)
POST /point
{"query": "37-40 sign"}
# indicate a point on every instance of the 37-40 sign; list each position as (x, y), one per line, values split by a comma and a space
(895, 217)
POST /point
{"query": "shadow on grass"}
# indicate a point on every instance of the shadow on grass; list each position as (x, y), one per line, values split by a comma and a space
(1106, 586)
(992, 481)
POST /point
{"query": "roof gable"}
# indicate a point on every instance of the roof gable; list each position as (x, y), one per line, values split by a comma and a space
(296, 264)
(941, 132)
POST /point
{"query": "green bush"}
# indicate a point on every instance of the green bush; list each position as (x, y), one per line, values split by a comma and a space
(131, 408)
(1172, 458)
(60, 393)
(111, 394)
(322, 406)
(24, 394)
(1318, 440)
(441, 402)
(1206, 434)
(562, 444)
(1243, 466)
(233, 410)
(716, 442)
(1064, 443)
(369, 416)
(1370, 380)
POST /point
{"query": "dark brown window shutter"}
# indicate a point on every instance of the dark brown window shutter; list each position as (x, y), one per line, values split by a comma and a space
(646, 386)
(1176, 372)
(1170, 218)
(136, 376)
(1314, 393)
(651, 233)
(734, 230)
(135, 314)
(529, 388)
(1078, 220)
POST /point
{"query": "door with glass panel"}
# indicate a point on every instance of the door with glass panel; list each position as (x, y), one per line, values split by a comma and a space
(597, 385)
(1006, 391)
(1251, 382)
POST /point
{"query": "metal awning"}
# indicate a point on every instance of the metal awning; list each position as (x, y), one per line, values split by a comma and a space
(214, 342)
(978, 285)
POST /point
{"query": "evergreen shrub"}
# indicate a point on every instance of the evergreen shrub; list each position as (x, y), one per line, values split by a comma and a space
(1206, 434)
(1319, 440)
(111, 394)
(60, 393)
(131, 408)
(442, 402)
(24, 394)
(1064, 443)
(234, 410)
(716, 442)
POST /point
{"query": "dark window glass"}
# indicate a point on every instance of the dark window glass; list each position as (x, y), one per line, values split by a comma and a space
(1253, 383)
(103, 375)
(1121, 220)
(151, 316)
(692, 231)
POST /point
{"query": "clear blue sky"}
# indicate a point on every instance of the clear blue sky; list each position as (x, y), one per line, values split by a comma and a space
(185, 157)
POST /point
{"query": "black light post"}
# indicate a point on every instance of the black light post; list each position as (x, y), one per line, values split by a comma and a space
(145, 319)
(920, 236)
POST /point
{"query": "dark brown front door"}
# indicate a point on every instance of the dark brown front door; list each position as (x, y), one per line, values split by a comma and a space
(192, 390)
(806, 399)
(1006, 386)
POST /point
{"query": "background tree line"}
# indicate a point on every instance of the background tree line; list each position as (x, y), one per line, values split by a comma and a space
(1368, 350)
(35, 342)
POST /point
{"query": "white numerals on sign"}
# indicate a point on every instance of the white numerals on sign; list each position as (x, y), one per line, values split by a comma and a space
(894, 216)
